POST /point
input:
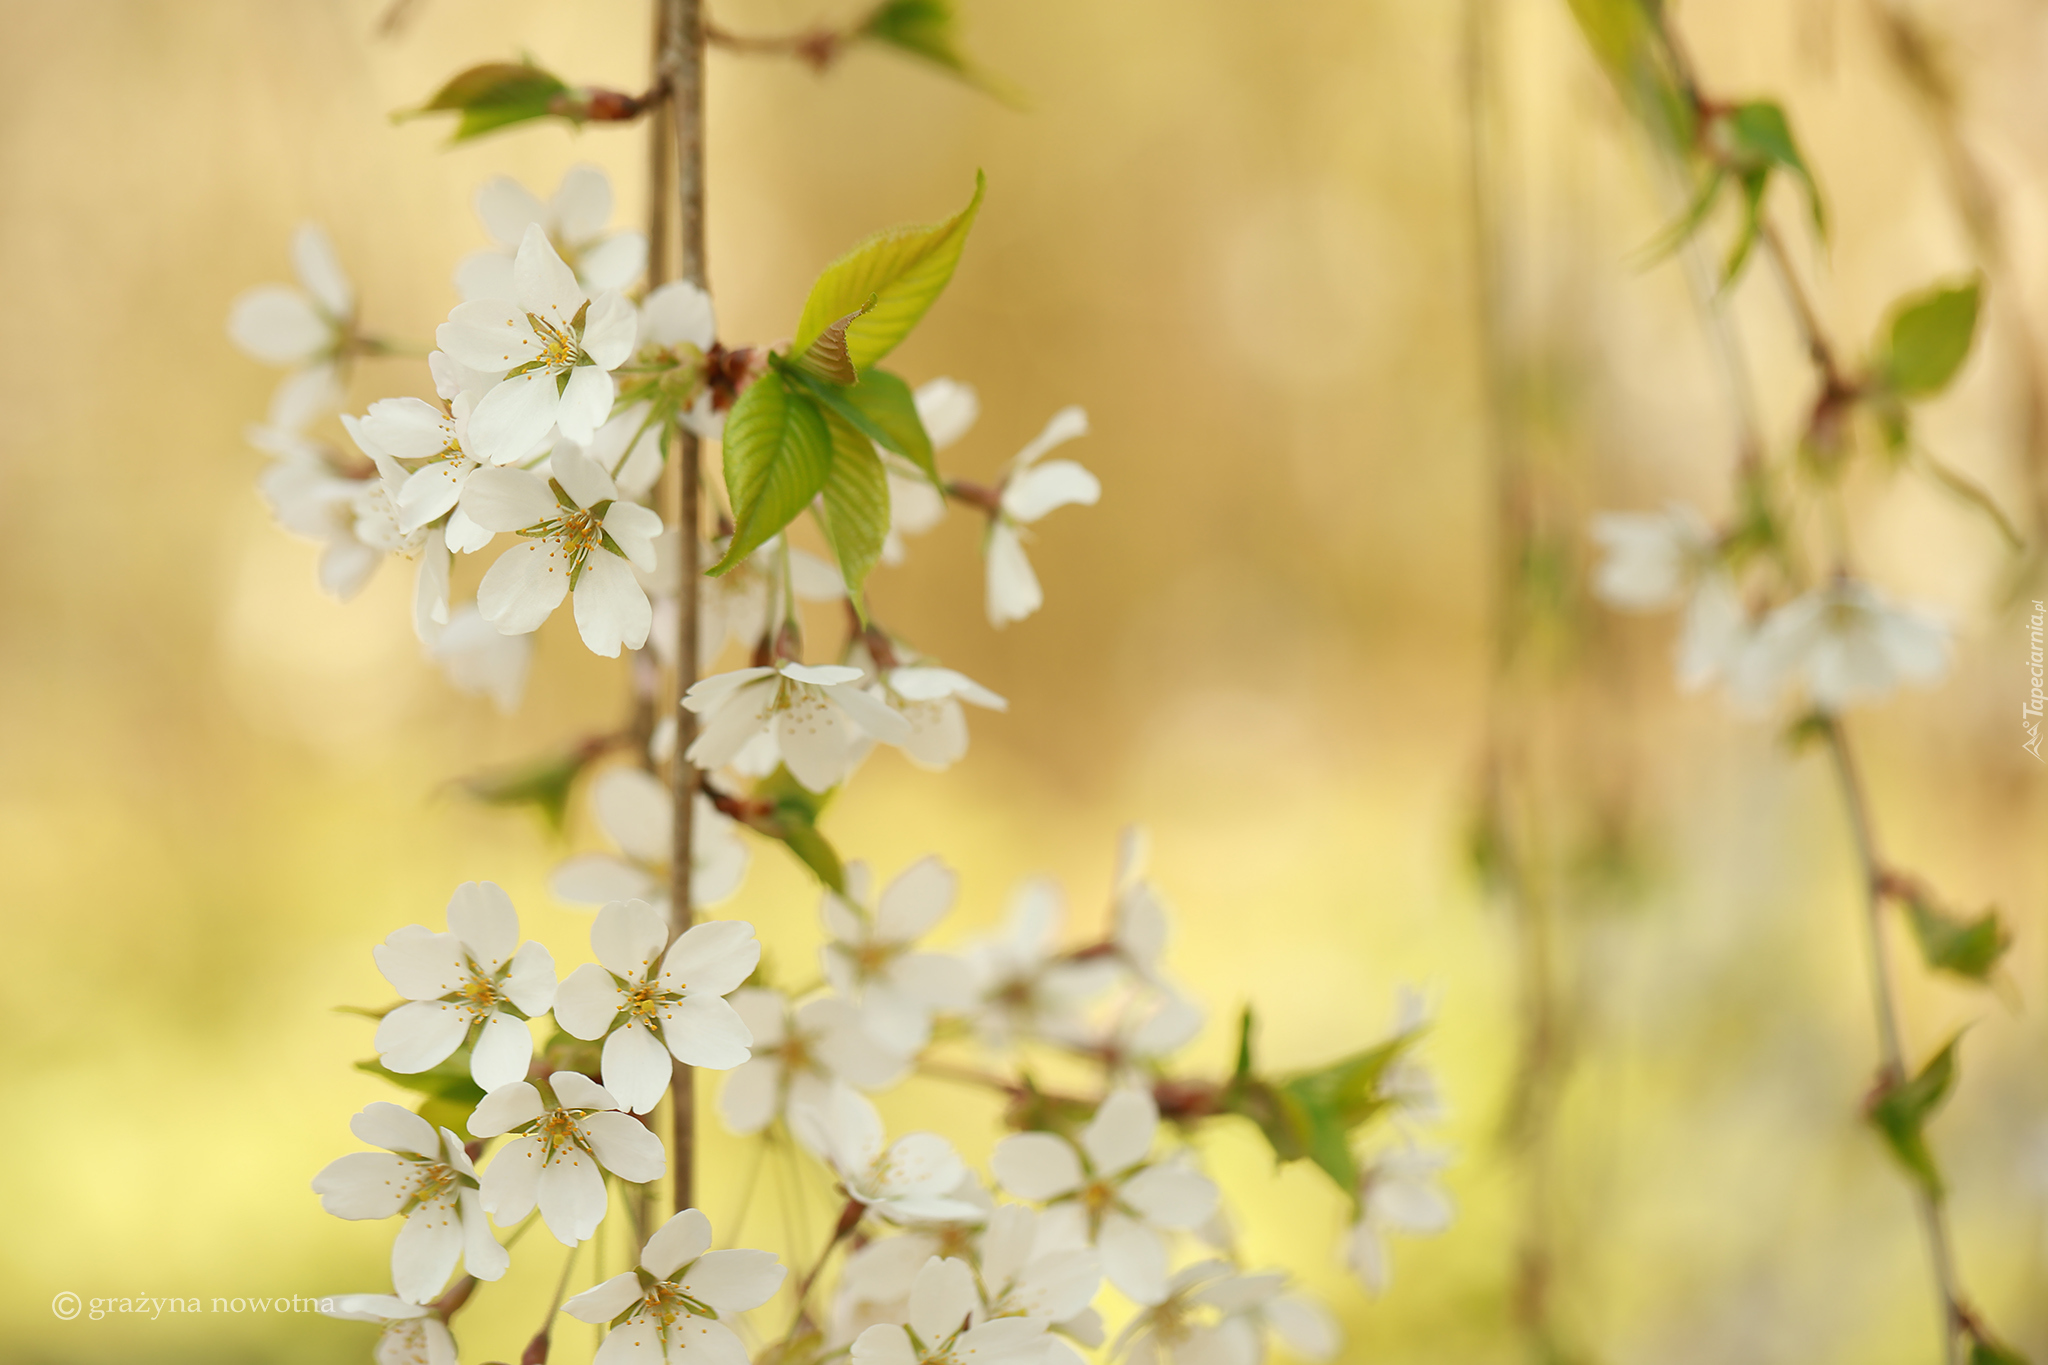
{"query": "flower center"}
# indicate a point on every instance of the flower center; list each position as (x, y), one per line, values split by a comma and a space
(558, 349)
(667, 1304)
(646, 1000)
(1097, 1197)
(478, 994)
(557, 1128)
(436, 1180)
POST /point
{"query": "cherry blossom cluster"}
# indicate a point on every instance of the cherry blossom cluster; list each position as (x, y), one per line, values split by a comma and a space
(1841, 644)
(544, 430)
(557, 382)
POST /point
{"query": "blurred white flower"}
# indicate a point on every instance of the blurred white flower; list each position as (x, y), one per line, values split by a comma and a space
(576, 536)
(413, 1333)
(480, 660)
(1030, 989)
(556, 346)
(458, 985)
(305, 330)
(576, 221)
(1263, 1304)
(424, 1175)
(1845, 644)
(818, 721)
(561, 1152)
(1398, 1192)
(872, 959)
(1029, 491)
(1023, 1276)
(797, 1055)
(636, 812)
(937, 1333)
(909, 1181)
(1108, 1192)
(648, 1004)
(1657, 560)
(675, 1305)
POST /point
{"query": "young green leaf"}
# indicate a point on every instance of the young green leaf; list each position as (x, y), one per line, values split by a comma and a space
(448, 1093)
(826, 355)
(542, 783)
(492, 96)
(1900, 1112)
(891, 408)
(903, 270)
(928, 29)
(777, 457)
(880, 407)
(1928, 339)
(1969, 948)
(795, 822)
(1760, 139)
(1984, 1350)
(854, 511)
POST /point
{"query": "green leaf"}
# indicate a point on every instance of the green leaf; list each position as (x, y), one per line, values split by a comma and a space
(826, 355)
(927, 29)
(542, 783)
(1760, 140)
(1901, 1109)
(1969, 948)
(451, 1095)
(1986, 1351)
(1313, 1114)
(854, 511)
(891, 408)
(880, 407)
(1628, 39)
(1815, 727)
(794, 821)
(778, 455)
(903, 269)
(494, 95)
(1928, 339)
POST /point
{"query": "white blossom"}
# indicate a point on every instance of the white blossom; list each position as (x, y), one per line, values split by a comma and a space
(872, 957)
(909, 1181)
(798, 1052)
(1029, 491)
(929, 698)
(637, 812)
(424, 1175)
(1263, 1304)
(480, 660)
(1408, 1081)
(306, 330)
(576, 536)
(738, 607)
(1108, 1192)
(1029, 988)
(576, 221)
(676, 1306)
(1026, 1273)
(561, 1152)
(1657, 560)
(937, 1333)
(556, 347)
(413, 1334)
(649, 1000)
(1398, 1192)
(1844, 644)
(458, 985)
(817, 722)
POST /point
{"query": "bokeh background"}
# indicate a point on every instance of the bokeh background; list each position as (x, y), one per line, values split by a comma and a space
(1241, 235)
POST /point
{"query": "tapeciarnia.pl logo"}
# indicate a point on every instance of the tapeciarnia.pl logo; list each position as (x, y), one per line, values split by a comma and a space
(2030, 713)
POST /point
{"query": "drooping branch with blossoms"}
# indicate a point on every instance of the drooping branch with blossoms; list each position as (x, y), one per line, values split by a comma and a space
(579, 386)
(1774, 604)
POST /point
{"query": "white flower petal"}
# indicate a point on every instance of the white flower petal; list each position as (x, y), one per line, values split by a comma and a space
(423, 965)
(603, 1302)
(612, 610)
(502, 1110)
(1036, 1166)
(1120, 1134)
(366, 1185)
(426, 1250)
(513, 417)
(637, 1069)
(397, 1129)
(421, 1034)
(524, 586)
(626, 1146)
(1171, 1197)
(587, 1001)
(1133, 1258)
(733, 1281)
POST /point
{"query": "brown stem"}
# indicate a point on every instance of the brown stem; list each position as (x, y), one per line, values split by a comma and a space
(679, 71)
(817, 48)
(1891, 1051)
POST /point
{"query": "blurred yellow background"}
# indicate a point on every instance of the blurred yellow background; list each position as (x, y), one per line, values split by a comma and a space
(1239, 234)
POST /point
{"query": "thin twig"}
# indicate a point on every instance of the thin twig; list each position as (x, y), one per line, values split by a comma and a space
(1891, 1050)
